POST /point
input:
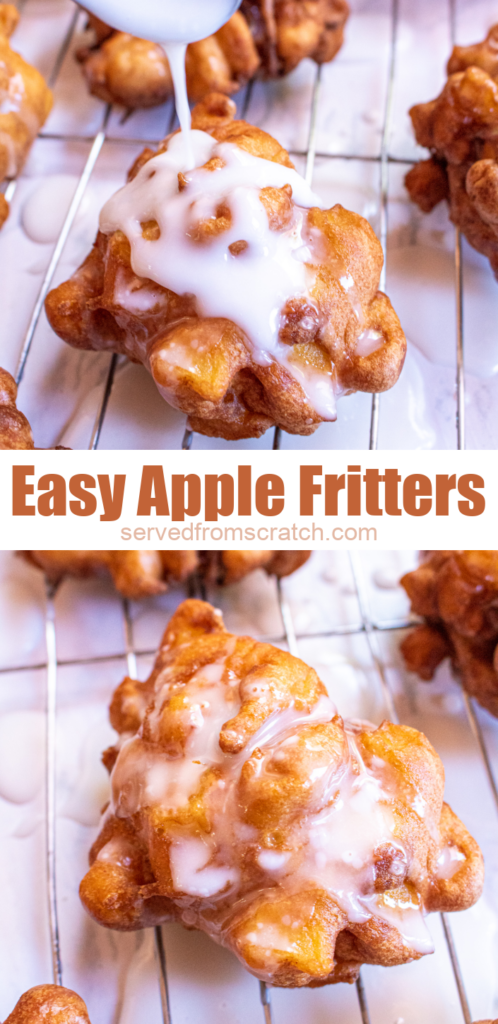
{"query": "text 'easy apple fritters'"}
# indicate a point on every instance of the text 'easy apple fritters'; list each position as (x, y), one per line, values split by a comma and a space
(457, 594)
(25, 103)
(250, 304)
(138, 574)
(244, 806)
(460, 128)
(271, 36)
(49, 1004)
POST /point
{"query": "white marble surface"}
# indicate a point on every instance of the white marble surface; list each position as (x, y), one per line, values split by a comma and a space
(62, 388)
(116, 973)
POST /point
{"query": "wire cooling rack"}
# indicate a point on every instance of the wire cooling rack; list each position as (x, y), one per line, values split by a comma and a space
(366, 625)
(383, 161)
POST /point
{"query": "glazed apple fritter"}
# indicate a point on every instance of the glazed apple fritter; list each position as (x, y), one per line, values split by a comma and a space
(15, 431)
(457, 594)
(244, 806)
(270, 35)
(336, 334)
(49, 1004)
(25, 103)
(138, 574)
(460, 128)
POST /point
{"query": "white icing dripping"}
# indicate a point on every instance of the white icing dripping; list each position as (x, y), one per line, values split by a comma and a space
(342, 837)
(173, 25)
(369, 341)
(193, 874)
(250, 289)
(449, 861)
(176, 53)
(408, 920)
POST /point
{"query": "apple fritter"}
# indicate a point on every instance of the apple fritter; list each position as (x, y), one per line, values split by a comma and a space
(25, 103)
(138, 574)
(456, 592)
(49, 1004)
(460, 128)
(276, 311)
(244, 806)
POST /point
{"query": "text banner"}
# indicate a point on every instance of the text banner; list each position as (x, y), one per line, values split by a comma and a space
(248, 499)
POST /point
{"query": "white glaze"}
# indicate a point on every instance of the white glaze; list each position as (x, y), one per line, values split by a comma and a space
(449, 861)
(193, 874)
(250, 289)
(369, 341)
(45, 210)
(408, 920)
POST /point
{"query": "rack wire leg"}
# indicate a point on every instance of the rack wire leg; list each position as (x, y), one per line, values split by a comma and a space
(384, 190)
(362, 999)
(460, 364)
(456, 970)
(264, 993)
(98, 142)
(50, 783)
(481, 742)
(99, 422)
(163, 976)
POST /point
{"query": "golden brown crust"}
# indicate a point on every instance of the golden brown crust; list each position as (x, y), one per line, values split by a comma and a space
(427, 184)
(204, 849)
(215, 379)
(9, 19)
(4, 209)
(49, 1004)
(15, 431)
(138, 574)
(27, 104)
(460, 128)
(457, 594)
(274, 35)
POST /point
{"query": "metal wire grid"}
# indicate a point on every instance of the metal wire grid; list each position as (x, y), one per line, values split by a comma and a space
(383, 159)
(365, 625)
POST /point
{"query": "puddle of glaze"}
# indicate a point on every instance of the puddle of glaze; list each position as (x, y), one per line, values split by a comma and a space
(22, 736)
(44, 211)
